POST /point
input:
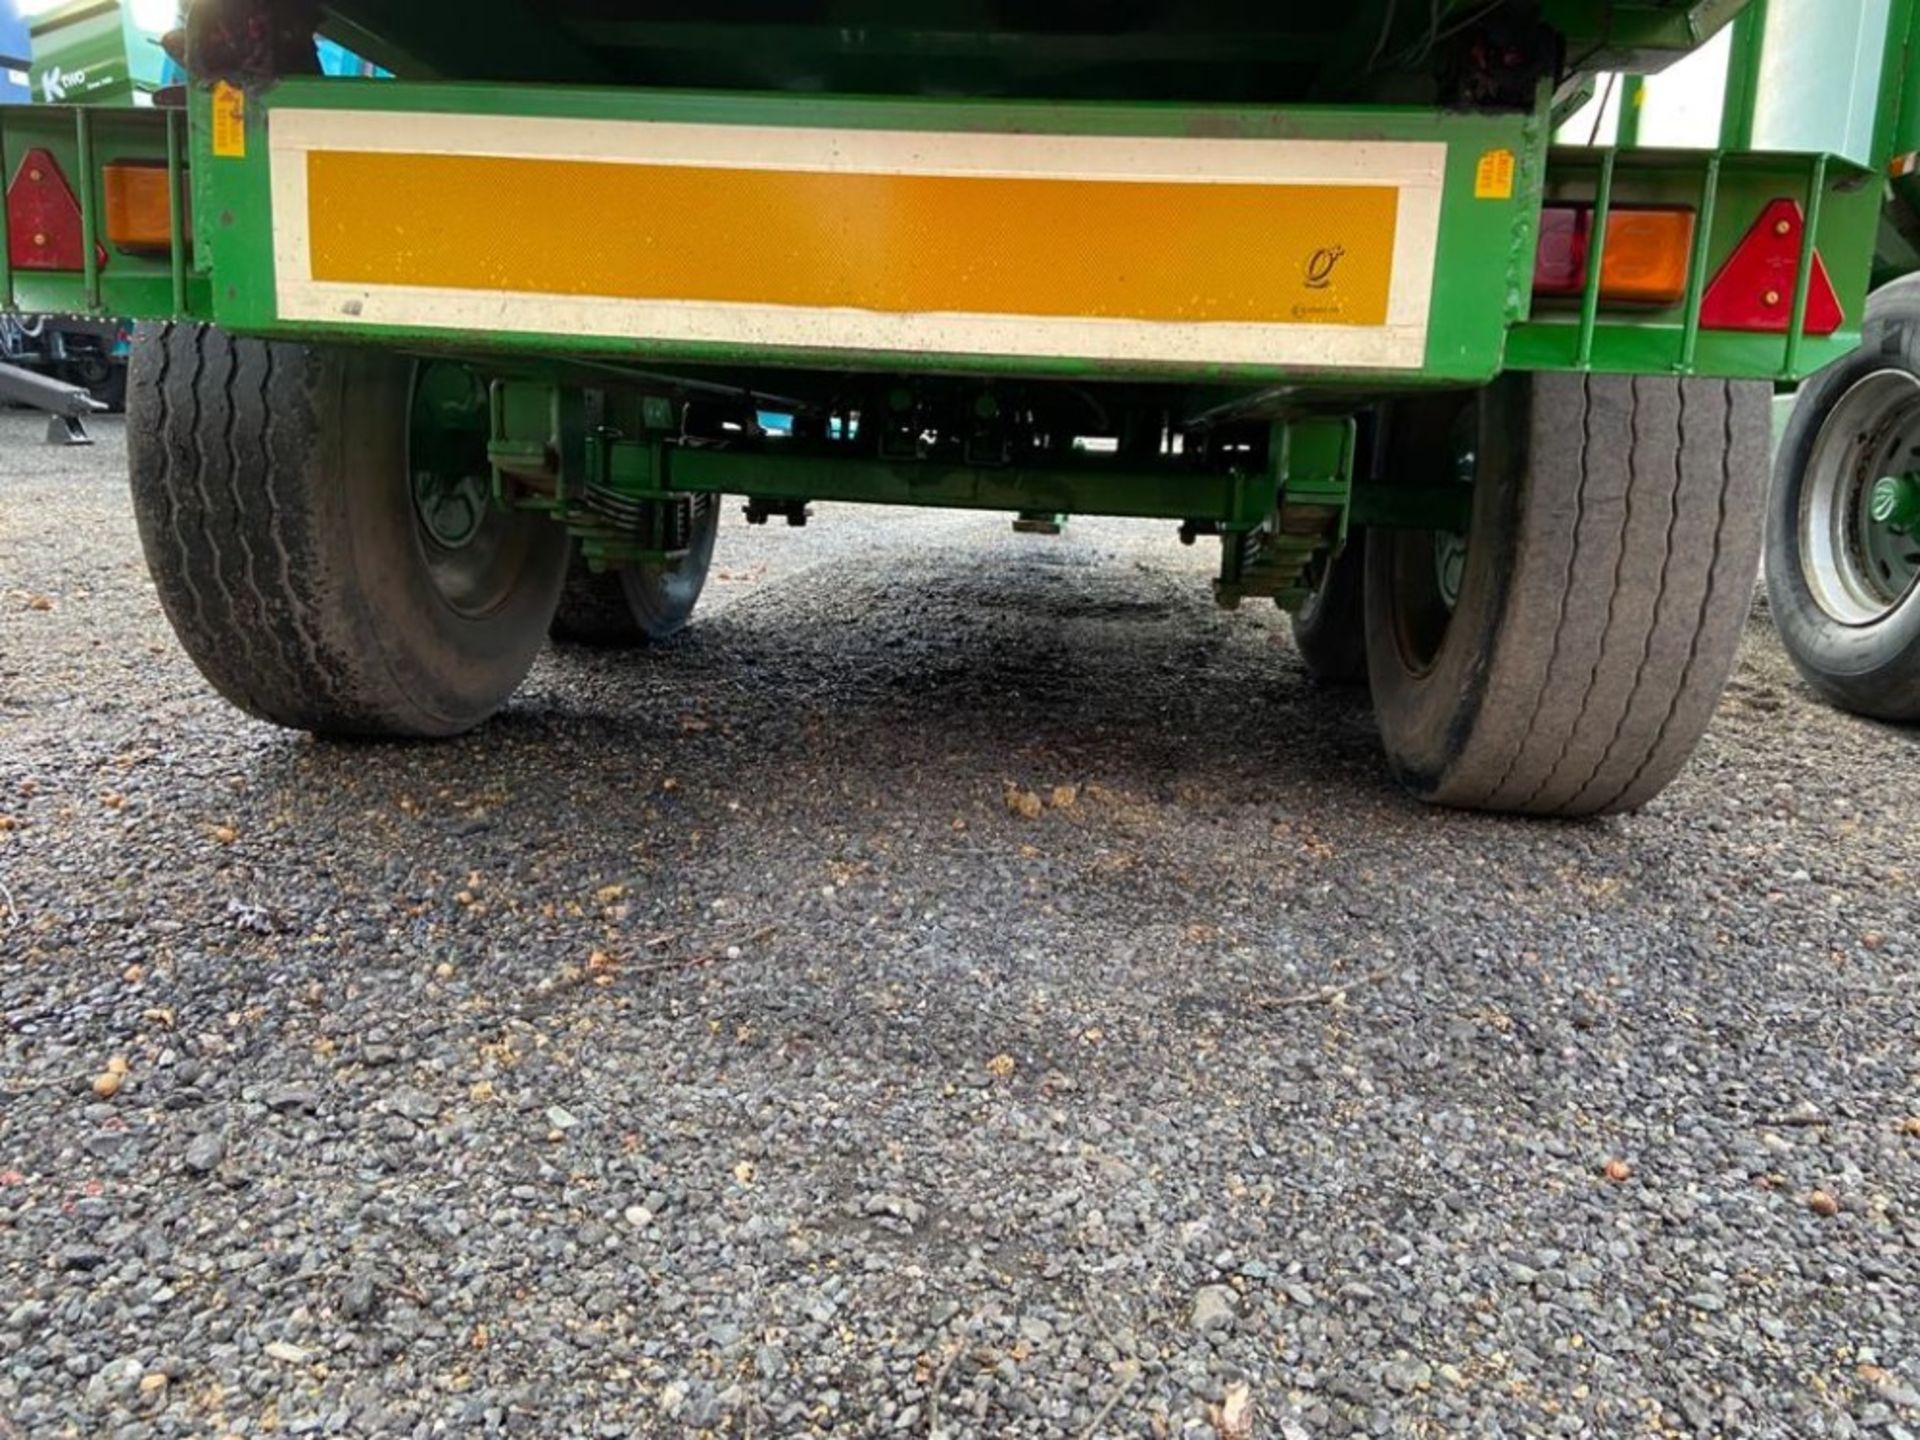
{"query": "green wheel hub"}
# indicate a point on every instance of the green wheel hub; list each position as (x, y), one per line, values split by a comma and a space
(451, 508)
(473, 546)
(1896, 501)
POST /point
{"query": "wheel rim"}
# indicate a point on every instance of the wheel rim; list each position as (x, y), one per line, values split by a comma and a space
(1430, 566)
(1859, 541)
(475, 550)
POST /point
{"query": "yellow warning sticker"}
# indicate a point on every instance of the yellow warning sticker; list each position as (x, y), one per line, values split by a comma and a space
(229, 121)
(1493, 177)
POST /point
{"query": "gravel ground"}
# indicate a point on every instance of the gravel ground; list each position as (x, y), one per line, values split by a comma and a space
(715, 1044)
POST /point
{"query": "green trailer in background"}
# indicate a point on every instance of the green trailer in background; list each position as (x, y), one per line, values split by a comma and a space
(1843, 547)
(445, 361)
(101, 52)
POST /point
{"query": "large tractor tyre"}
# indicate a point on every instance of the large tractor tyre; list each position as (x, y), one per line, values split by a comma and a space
(1843, 533)
(1564, 656)
(641, 604)
(320, 527)
(1330, 630)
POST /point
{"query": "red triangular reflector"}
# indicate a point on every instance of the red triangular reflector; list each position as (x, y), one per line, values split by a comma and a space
(43, 217)
(1754, 289)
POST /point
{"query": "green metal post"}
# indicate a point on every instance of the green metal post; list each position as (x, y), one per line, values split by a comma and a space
(1596, 256)
(1896, 126)
(1744, 55)
(1803, 279)
(1697, 266)
(1633, 94)
(176, 208)
(6, 235)
(89, 218)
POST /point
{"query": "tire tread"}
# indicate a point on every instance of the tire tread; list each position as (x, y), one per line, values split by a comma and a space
(1640, 544)
(237, 497)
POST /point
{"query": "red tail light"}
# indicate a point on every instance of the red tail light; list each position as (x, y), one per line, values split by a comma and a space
(1754, 289)
(1645, 261)
(43, 217)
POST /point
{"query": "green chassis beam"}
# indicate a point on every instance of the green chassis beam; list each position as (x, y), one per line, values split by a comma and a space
(1238, 500)
(616, 494)
(1310, 476)
(538, 436)
(640, 470)
(1232, 500)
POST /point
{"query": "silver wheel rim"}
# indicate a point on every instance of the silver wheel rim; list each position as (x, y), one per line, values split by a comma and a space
(1858, 569)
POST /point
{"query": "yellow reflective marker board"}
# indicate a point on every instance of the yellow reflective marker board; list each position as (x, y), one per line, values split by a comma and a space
(1121, 248)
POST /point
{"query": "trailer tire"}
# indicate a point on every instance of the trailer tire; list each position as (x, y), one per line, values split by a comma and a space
(638, 605)
(1330, 630)
(1608, 573)
(1848, 608)
(277, 495)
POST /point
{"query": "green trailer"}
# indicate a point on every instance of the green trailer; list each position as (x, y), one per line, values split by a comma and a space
(446, 361)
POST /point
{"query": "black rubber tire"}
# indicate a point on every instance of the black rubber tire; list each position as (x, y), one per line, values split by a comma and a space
(1873, 669)
(270, 485)
(1330, 630)
(642, 604)
(1609, 571)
